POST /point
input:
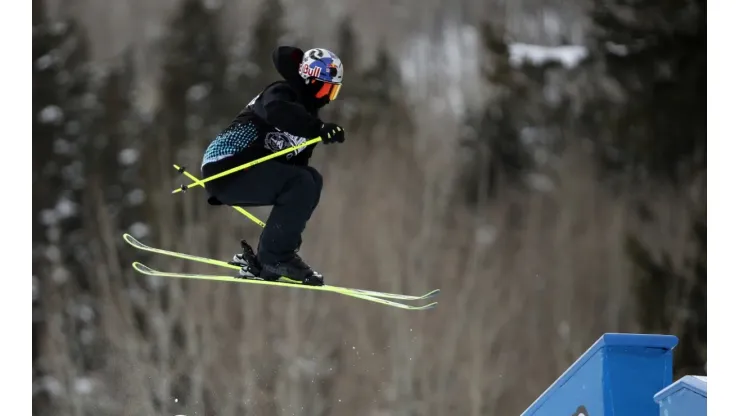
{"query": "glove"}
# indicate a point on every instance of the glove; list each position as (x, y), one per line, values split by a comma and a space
(331, 133)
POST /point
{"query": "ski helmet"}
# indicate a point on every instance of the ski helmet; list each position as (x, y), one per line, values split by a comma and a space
(323, 68)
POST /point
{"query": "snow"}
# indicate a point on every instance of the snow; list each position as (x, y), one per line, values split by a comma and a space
(485, 235)
(212, 5)
(48, 384)
(128, 156)
(47, 217)
(65, 208)
(51, 114)
(617, 49)
(540, 182)
(53, 254)
(59, 275)
(58, 28)
(139, 230)
(62, 147)
(568, 55)
(85, 313)
(198, 92)
(45, 61)
(83, 385)
(136, 197)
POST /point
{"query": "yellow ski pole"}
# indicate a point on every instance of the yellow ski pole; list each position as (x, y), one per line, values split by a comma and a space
(239, 209)
(200, 182)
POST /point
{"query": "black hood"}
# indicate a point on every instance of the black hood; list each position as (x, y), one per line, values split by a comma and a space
(287, 59)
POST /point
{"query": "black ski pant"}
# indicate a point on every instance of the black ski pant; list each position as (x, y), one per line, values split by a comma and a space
(293, 191)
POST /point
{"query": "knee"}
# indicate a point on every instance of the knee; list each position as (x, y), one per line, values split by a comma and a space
(305, 187)
(317, 178)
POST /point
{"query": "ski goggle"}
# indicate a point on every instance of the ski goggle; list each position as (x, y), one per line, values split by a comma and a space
(328, 89)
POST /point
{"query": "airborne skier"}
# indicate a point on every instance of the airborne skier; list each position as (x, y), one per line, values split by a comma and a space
(283, 115)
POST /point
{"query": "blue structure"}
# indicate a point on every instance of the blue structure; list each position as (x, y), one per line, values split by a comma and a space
(620, 375)
(685, 397)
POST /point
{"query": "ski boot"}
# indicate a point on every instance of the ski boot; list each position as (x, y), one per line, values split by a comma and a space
(293, 270)
(247, 260)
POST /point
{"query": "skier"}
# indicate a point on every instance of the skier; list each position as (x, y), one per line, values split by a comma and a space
(283, 115)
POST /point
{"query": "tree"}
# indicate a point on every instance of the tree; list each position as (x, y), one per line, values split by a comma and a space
(672, 298)
(351, 95)
(657, 53)
(382, 100)
(62, 112)
(250, 67)
(499, 154)
(266, 36)
(193, 77)
(347, 48)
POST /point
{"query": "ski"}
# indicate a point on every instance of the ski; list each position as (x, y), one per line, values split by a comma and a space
(144, 269)
(214, 262)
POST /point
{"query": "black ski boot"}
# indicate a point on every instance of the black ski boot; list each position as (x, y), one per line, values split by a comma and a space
(293, 270)
(247, 260)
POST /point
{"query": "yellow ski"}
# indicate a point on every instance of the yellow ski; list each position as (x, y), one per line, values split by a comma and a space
(361, 293)
(141, 268)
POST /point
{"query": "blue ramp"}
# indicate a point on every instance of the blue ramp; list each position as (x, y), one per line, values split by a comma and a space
(619, 375)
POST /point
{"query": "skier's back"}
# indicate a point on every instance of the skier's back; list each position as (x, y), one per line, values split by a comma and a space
(283, 115)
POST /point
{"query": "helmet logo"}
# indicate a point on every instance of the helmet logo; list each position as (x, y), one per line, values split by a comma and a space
(310, 72)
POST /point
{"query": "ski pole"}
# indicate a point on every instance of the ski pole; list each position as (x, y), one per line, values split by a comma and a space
(239, 209)
(183, 188)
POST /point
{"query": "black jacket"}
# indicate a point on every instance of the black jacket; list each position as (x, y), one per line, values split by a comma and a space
(285, 113)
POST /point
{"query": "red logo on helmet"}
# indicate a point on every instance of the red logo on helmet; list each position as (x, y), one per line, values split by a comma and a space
(311, 72)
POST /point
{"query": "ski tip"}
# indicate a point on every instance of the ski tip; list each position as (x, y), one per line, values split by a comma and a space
(132, 240)
(142, 268)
